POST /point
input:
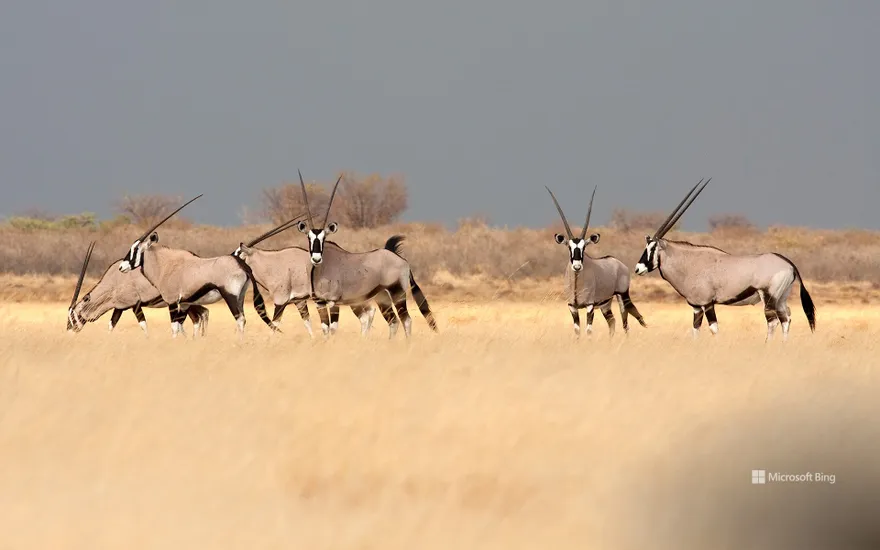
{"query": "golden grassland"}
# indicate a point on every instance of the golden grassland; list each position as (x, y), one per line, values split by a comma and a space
(501, 431)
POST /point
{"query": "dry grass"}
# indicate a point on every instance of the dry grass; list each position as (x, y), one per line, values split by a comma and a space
(499, 432)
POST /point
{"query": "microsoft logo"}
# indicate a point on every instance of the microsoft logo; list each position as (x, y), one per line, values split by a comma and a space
(759, 477)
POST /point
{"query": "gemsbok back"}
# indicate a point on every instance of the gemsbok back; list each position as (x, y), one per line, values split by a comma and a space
(339, 277)
(706, 276)
(284, 274)
(591, 282)
(184, 279)
(120, 292)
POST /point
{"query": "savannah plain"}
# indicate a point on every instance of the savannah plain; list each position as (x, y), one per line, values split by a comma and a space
(500, 431)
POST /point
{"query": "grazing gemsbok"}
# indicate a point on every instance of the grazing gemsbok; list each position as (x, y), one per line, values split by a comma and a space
(184, 279)
(339, 277)
(121, 291)
(706, 276)
(591, 282)
(285, 275)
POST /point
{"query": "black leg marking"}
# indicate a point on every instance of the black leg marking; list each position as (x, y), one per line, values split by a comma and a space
(713, 320)
(324, 314)
(698, 318)
(234, 305)
(398, 296)
(591, 313)
(624, 314)
(334, 319)
(279, 311)
(575, 319)
(609, 318)
(631, 309)
(114, 318)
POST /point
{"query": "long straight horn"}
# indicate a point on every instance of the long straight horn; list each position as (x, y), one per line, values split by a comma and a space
(168, 217)
(82, 274)
(561, 214)
(274, 231)
(306, 200)
(684, 209)
(589, 211)
(329, 204)
(663, 227)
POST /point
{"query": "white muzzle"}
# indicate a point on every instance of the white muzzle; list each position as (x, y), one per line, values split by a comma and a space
(641, 269)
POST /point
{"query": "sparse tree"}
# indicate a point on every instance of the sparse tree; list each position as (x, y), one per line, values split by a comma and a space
(146, 209)
(286, 202)
(738, 222)
(371, 201)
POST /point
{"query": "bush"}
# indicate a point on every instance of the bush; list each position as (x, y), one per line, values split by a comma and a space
(371, 201)
(86, 220)
(145, 210)
(631, 220)
(360, 202)
(721, 222)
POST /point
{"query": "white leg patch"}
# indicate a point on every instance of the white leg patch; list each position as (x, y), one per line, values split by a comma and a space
(111, 326)
(143, 325)
(695, 332)
(334, 326)
(240, 322)
(407, 326)
(325, 328)
(308, 325)
(713, 327)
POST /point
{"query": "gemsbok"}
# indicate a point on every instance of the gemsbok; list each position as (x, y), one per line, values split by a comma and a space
(184, 279)
(593, 282)
(706, 276)
(339, 277)
(120, 292)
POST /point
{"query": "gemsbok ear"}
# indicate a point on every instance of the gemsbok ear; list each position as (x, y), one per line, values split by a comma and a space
(560, 239)
(332, 227)
(594, 238)
(647, 239)
(154, 237)
(302, 227)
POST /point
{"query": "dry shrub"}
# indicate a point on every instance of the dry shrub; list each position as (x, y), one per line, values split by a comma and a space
(145, 210)
(636, 221)
(285, 202)
(371, 201)
(360, 202)
(730, 222)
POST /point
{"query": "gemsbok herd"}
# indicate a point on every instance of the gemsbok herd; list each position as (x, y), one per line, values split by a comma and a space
(154, 275)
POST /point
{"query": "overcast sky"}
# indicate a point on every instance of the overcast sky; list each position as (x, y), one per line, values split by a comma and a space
(477, 103)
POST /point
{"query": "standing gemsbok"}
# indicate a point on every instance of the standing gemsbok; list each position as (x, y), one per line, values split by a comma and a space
(706, 276)
(285, 275)
(339, 277)
(184, 279)
(592, 282)
(121, 291)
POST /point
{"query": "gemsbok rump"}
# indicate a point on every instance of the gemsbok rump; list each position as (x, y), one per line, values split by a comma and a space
(706, 276)
(592, 282)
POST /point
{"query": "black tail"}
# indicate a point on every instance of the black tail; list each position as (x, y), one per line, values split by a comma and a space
(631, 309)
(806, 299)
(259, 304)
(422, 302)
(393, 244)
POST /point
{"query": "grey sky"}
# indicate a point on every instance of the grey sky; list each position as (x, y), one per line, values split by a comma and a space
(477, 103)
